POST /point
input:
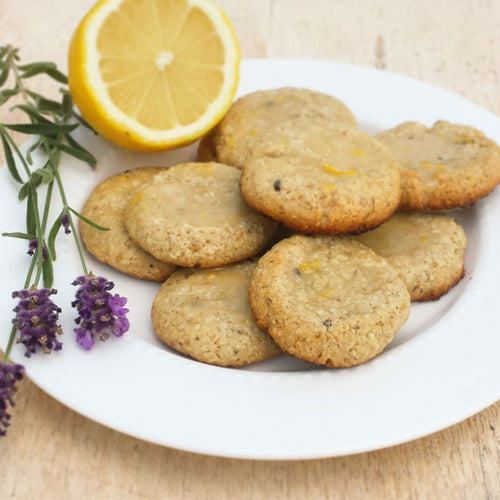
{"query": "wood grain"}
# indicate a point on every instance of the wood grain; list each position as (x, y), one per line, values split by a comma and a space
(52, 452)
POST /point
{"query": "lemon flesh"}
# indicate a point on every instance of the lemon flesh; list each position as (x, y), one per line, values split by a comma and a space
(153, 74)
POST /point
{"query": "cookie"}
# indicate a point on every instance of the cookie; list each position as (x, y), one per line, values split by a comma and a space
(443, 167)
(426, 250)
(318, 179)
(254, 115)
(193, 215)
(105, 206)
(205, 314)
(328, 299)
(206, 151)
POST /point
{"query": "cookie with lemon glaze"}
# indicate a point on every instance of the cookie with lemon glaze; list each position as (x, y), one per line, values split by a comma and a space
(427, 251)
(105, 206)
(442, 167)
(254, 115)
(327, 299)
(193, 215)
(321, 179)
(205, 314)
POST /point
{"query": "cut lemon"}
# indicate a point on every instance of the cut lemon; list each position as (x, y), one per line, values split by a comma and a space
(153, 74)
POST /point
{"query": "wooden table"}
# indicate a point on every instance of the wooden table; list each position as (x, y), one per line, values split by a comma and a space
(52, 452)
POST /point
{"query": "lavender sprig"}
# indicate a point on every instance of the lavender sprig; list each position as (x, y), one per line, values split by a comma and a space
(100, 314)
(9, 376)
(37, 320)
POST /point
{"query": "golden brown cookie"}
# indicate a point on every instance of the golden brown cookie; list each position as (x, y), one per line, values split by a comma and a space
(205, 314)
(193, 215)
(329, 300)
(426, 250)
(206, 151)
(443, 167)
(105, 206)
(318, 179)
(254, 115)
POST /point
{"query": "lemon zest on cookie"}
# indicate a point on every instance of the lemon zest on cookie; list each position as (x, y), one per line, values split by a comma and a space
(313, 265)
(358, 152)
(206, 169)
(326, 293)
(329, 185)
(136, 198)
(340, 173)
(463, 140)
(423, 239)
(429, 165)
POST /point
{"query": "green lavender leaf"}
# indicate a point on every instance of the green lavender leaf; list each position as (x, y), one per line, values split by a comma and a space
(83, 122)
(9, 158)
(6, 94)
(23, 236)
(49, 106)
(48, 68)
(31, 149)
(67, 105)
(34, 182)
(4, 74)
(32, 112)
(45, 173)
(31, 212)
(88, 221)
(51, 241)
(41, 128)
(23, 192)
(47, 273)
(78, 151)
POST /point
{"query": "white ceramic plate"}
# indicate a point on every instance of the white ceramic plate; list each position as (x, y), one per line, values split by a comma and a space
(441, 368)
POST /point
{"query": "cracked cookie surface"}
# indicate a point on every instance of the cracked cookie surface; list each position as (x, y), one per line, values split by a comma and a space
(328, 299)
(322, 180)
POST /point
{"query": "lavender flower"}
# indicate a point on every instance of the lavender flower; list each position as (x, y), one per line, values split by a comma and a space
(9, 376)
(65, 223)
(100, 314)
(37, 320)
(33, 245)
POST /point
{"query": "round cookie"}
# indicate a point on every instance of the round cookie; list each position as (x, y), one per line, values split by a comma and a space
(443, 167)
(193, 215)
(206, 151)
(318, 179)
(328, 300)
(105, 206)
(254, 115)
(205, 314)
(426, 250)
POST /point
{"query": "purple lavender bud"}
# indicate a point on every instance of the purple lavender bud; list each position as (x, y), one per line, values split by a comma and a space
(9, 376)
(65, 223)
(33, 245)
(37, 320)
(100, 314)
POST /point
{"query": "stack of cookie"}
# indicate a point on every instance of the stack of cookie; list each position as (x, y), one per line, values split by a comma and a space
(329, 295)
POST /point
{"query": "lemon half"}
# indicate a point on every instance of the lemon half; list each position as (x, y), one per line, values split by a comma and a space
(153, 74)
